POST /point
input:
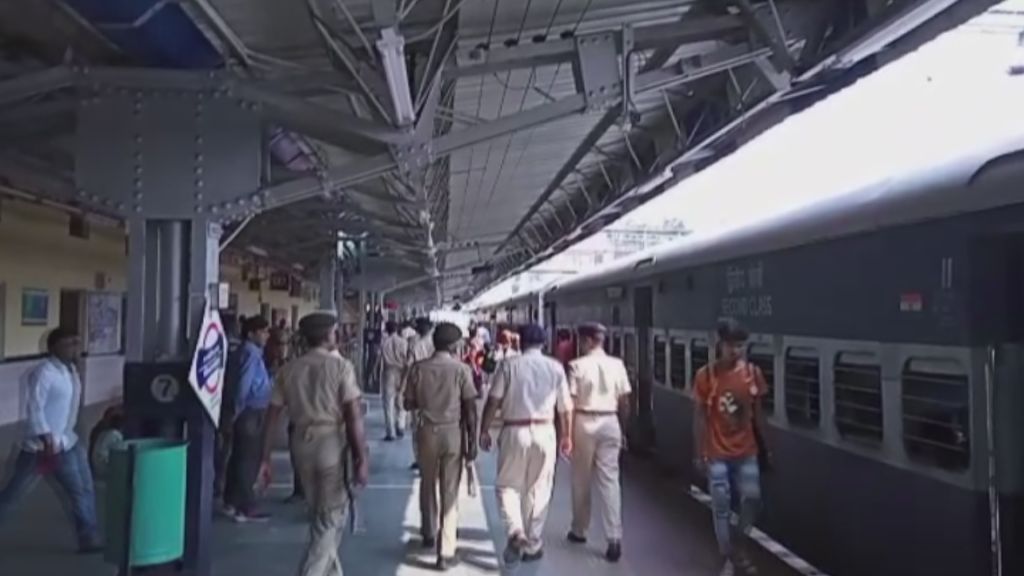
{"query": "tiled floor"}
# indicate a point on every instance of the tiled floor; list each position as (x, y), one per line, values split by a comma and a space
(666, 532)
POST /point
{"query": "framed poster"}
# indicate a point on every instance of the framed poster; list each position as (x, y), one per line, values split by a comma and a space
(35, 307)
(103, 322)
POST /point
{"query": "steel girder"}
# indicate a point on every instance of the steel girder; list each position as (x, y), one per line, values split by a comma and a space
(662, 147)
(663, 156)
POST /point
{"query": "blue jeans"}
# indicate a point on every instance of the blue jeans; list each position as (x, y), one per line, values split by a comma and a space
(729, 479)
(72, 480)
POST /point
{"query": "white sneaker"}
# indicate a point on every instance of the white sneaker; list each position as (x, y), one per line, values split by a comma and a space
(728, 569)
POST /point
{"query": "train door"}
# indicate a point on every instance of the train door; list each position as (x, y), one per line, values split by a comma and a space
(1005, 404)
(643, 315)
(551, 323)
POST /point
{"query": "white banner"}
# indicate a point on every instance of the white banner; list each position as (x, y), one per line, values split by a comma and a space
(209, 363)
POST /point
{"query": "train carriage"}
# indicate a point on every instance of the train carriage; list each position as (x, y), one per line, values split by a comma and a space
(889, 322)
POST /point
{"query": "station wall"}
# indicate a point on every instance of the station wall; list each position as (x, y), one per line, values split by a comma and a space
(49, 261)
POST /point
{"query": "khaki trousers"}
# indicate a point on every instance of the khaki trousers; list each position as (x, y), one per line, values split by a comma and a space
(394, 415)
(320, 459)
(526, 474)
(440, 458)
(597, 442)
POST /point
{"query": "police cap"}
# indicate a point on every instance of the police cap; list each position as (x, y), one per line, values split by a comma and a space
(423, 325)
(532, 335)
(445, 335)
(318, 322)
(592, 330)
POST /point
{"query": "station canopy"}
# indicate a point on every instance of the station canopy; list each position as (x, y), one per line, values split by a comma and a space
(443, 145)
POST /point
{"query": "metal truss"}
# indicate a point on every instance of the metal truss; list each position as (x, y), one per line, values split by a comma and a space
(669, 98)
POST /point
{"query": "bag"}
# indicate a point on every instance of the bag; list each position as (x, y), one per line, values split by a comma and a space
(490, 363)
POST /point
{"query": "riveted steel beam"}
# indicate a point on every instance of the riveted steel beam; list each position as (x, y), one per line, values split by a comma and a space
(688, 30)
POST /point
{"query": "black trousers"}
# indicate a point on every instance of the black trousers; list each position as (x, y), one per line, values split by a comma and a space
(297, 490)
(244, 461)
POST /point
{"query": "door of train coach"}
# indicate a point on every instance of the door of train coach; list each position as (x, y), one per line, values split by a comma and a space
(643, 317)
(551, 323)
(1004, 395)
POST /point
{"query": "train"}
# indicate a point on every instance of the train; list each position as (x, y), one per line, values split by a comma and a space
(889, 324)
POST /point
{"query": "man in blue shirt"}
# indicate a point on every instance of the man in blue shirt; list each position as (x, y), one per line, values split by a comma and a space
(251, 401)
(53, 391)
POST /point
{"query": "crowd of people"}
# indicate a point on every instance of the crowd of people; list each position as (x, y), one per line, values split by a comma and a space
(536, 407)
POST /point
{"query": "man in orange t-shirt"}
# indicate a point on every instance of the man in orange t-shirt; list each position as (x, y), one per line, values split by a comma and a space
(727, 431)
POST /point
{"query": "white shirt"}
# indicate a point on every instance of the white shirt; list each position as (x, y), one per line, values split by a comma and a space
(420, 348)
(53, 391)
(394, 351)
(530, 386)
(597, 380)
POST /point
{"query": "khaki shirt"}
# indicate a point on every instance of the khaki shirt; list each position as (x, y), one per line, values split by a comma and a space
(394, 351)
(438, 386)
(420, 348)
(597, 380)
(530, 386)
(313, 387)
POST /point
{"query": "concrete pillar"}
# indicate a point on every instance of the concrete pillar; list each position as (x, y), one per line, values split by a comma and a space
(170, 162)
(328, 283)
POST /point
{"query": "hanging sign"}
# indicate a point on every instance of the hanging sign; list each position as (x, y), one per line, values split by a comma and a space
(208, 364)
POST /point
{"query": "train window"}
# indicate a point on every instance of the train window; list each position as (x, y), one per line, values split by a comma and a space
(803, 387)
(762, 356)
(660, 361)
(677, 362)
(698, 356)
(936, 421)
(857, 379)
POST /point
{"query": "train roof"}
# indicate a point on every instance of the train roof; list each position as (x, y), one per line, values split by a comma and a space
(936, 191)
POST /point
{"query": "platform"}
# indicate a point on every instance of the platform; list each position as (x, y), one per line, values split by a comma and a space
(666, 531)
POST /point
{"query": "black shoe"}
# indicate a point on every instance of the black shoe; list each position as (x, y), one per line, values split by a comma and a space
(429, 542)
(446, 563)
(414, 466)
(533, 557)
(614, 551)
(572, 537)
(513, 552)
(389, 438)
(743, 564)
(400, 433)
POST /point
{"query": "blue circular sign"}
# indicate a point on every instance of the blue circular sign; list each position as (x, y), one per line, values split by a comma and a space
(210, 358)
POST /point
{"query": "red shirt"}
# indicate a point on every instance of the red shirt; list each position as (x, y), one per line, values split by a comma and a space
(728, 398)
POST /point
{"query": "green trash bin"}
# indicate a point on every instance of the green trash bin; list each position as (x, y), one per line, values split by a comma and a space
(152, 493)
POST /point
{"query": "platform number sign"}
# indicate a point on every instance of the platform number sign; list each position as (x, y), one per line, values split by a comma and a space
(165, 388)
(208, 364)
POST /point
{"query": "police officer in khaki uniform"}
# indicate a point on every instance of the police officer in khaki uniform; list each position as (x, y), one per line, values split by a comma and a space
(319, 392)
(531, 390)
(441, 390)
(393, 353)
(600, 390)
(421, 347)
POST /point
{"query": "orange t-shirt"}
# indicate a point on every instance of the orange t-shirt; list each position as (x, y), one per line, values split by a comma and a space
(727, 398)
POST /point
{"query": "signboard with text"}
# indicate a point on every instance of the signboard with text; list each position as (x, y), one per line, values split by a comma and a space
(209, 361)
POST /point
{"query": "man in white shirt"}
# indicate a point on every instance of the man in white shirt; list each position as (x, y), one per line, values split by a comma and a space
(52, 393)
(531, 390)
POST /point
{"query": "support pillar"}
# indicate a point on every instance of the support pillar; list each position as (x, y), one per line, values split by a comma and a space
(171, 162)
(328, 284)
